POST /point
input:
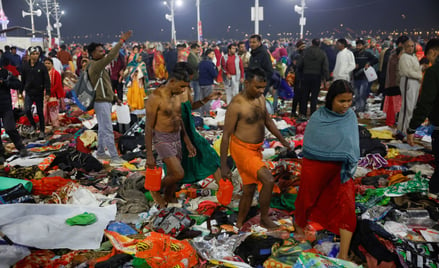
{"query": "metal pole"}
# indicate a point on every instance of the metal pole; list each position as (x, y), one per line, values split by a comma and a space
(256, 16)
(302, 17)
(49, 32)
(173, 33)
(31, 5)
(58, 26)
(198, 21)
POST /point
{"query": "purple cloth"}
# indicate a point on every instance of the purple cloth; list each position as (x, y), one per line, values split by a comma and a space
(167, 144)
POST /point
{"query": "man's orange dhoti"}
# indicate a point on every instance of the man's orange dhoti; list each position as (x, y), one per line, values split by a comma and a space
(248, 159)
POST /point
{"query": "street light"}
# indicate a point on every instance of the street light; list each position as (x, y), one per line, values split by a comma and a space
(58, 14)
(32, 13)
(48, 27)
(302, 21)
(257, 15)
(199, 30)
(171, 18)
(52, 8)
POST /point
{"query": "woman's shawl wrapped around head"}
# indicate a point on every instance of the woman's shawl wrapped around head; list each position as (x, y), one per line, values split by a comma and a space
(330, 136)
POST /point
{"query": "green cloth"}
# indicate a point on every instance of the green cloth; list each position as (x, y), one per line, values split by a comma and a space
(287, 253)
(373, 197)
(199, 219)
(140, 263)
(82, 219)
(207, 161)
(285, 201)
(8, 183)
(416, 185)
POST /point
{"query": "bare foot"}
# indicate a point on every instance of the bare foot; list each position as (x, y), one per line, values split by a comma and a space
(171, 199)
(158, 199)
(299, 234)
(268, 224)
(345, 258)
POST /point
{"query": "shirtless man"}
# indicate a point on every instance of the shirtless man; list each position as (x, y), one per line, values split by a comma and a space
(164, 128)
(244, 128)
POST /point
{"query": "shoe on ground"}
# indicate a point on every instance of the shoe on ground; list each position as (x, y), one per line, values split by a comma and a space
(103, 156)
(41, 136)
(116, 161)
(23, 153)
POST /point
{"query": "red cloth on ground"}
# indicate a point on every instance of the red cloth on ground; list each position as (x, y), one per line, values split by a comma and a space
(322, 198)
(80, 146)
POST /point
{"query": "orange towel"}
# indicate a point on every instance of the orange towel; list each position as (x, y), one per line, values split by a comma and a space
(248, 159)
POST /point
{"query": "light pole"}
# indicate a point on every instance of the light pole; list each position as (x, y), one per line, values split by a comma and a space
(302, 21)
(199, 29)
(257, 15)
(58, 15)
(32, 13)
(52, 8)
(171, 19)
(49, 27)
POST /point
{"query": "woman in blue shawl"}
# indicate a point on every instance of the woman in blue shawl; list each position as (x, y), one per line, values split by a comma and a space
(330, 154)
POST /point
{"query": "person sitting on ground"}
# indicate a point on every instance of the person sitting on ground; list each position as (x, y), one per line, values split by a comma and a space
(244, 130)
(330, 153)
(164, 128)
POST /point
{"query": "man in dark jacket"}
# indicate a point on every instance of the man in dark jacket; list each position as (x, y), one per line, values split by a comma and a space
(260, 58)
(330, 52)
(296, 57)
(363, 60)
(16, 59)
(207, 73)
(428, 106)
(35, 79)
(170, 56)
(314, 65)
(8, 81)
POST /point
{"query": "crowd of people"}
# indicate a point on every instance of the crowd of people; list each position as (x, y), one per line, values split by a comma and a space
(169, 83)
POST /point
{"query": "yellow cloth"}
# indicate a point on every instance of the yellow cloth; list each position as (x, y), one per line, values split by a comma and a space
(135, 96)
(159, 66)
(381, 134)
(88, 137)
(392, 153)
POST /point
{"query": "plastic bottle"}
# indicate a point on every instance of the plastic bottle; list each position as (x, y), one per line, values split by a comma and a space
(153, 178)
(225, 192)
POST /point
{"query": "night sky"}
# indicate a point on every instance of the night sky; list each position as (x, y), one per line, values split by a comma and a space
(101, 20)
